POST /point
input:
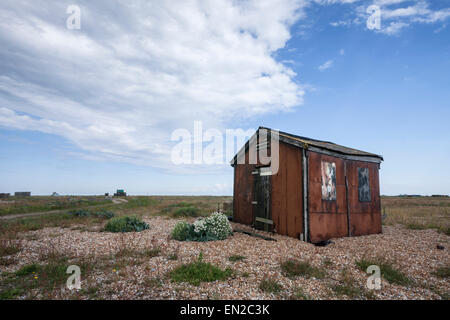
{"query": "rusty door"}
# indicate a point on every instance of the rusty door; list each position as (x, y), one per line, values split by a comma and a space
(261, 204)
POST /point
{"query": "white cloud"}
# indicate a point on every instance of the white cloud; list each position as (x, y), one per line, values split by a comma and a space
(342, 52)
(394, 28)
(326, 65)
(395, 14)
(137, 70)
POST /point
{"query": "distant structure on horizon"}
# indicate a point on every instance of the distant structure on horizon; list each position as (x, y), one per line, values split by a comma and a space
(120, 193)
(22, 194)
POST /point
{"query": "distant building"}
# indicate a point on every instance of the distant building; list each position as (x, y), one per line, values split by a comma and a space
(22, 194)
(4, 195)
(120, 193)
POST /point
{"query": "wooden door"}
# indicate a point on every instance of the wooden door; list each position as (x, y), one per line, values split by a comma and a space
(261, 205)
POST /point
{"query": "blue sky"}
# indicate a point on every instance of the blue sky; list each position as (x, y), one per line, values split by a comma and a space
(91, 110)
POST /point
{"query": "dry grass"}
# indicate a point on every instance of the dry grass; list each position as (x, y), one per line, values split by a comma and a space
(418, 213)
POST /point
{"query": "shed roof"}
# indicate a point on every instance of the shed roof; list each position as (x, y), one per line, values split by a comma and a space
(319, 145)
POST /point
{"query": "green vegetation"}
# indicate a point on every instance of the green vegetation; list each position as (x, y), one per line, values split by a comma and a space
(41, 204)
(186, 212)
(181, 231)
(270, 286)
(43, 278)
(100, 213)
(145, 253)
(348, 287)
(293, 268)
(9, 247)
(388, 271)
(442, 272)
(299, 294)
(137, 202)
(199, 271)
(126, 224)
(214, 227)
(236, 258)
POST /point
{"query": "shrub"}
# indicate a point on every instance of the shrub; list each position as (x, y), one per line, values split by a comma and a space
(199, 271)
(292, 268)
(218, 225)
(270, 285)
(181, 231)
(28, 269)
(102, 213)
(126, 224)
(214, 227)
(186, 212)
(80, 213)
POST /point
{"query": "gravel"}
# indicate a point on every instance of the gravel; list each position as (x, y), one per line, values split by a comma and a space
(414, 252)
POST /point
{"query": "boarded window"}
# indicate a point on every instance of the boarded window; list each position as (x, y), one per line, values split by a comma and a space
(328, 180)
(363, 185)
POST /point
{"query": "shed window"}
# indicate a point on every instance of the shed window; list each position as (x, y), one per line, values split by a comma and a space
(328, 180)
(363, 185)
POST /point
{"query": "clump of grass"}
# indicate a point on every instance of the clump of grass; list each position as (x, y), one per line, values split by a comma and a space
(348, 287)
(293, 268)
(442, 272)
(153, 282)
(299, 294)
(199, 271)
(10, 293)
(28, 269)
(101, 213)
(388, 271)
(126, 224)
(186, 212)
(9, 247)
(327, 262)
(270, 286)
(236, 258)
(172, 256)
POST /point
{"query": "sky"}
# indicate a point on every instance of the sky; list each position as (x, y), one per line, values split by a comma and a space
(90, 103)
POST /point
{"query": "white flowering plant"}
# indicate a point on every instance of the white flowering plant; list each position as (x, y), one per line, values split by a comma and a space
(214, 227)
(218, 225)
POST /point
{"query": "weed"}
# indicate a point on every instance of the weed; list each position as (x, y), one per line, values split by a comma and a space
(299, 294)
(28, 269)
(236, 258)
(199, 271)
(126, 224)
(348, 286)
(293, 268)
(172, 256)
(270, 285)
(442, 272)
(9, 247)
(186, 212)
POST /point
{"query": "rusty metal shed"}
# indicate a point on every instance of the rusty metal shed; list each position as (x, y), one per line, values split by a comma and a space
(319, 190)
